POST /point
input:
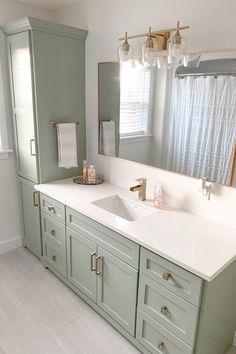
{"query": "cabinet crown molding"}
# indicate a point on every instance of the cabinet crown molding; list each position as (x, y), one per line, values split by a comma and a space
(35, 24)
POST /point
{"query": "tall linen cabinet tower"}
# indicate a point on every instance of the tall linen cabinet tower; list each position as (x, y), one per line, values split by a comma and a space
(47, 74)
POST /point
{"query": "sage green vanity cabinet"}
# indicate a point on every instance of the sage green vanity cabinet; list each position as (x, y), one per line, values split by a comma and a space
(47, 72)
(159, 306)
(178, 312)
(53, 234)
(117, 289)
(53, 230)
(157, 339)
(99, 272)
(171, 311)
(81, 258)
(122, 248)
(30, 216)
(54, 256)
(22, 105)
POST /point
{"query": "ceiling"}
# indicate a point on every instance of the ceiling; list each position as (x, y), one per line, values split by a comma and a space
(49, 4)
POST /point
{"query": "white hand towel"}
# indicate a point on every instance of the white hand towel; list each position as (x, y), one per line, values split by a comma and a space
(107, 138)
(67, 145)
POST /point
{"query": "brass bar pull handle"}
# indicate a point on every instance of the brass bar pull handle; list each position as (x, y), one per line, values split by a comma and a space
(51, 208)
(161, 346)
(34, 199)
(98, 269)
(31, 148)
(166, 276)
(54, 258)
(164, 310)
(92, 268)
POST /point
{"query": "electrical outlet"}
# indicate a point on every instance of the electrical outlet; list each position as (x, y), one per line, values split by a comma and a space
(234, 341)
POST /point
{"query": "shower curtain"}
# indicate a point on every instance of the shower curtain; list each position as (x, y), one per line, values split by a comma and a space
(200, 127)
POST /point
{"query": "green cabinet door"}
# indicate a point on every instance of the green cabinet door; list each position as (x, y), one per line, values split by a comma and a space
(30, 216)
(117, 289)
(81, 254)
(22, 105)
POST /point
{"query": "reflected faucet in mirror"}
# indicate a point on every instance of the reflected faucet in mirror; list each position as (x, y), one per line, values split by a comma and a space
(140, 188)
(206, 187)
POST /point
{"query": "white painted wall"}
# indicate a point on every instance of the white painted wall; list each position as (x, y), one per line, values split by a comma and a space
(137, 150)
(10, 228)
(213, 26)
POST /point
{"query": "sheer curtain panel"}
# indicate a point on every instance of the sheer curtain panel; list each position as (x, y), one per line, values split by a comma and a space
(201, 127)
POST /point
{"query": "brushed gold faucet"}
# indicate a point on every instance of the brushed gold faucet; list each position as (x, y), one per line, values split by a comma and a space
(140, 188)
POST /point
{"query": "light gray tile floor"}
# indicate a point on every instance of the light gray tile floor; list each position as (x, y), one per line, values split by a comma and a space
(41, 315)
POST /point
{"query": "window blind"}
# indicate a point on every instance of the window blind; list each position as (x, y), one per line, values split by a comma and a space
(134, 100)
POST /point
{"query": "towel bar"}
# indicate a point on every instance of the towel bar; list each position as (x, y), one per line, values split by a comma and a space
(54, 124)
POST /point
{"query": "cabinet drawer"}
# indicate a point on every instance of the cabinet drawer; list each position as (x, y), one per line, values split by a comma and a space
(53, 230)
(180, 281)
(54, 256)
(156, 338)
(168, 309)
(52, 207)
(126, 250)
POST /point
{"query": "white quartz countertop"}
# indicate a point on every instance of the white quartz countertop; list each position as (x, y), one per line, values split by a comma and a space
(202, 246)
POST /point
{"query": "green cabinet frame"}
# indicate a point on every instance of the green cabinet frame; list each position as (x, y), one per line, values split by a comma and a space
(104, 278)
(30, 216)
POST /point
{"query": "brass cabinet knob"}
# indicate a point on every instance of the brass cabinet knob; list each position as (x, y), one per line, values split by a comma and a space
(164, 310)
(53, 233)
(51, 208)
(54, 258)
(161, 346)
(166, 275)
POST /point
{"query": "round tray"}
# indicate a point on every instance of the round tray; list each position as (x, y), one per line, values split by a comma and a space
(79, 180)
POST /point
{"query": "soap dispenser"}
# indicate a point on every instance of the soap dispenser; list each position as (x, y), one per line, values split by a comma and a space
(158, 196)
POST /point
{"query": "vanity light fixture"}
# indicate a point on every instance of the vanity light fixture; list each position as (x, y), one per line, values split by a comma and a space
(157, 42)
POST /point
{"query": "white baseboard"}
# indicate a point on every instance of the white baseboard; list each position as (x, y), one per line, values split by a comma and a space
(11, 244)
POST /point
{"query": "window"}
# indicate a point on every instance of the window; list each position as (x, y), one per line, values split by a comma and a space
(4, 97)
(134, 101)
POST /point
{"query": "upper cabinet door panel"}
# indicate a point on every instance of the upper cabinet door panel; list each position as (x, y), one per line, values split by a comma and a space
(59, 76)
(21, 73)
(25, 147)
(22, 104)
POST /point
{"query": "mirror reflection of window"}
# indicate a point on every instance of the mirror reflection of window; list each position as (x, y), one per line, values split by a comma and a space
(135, 114)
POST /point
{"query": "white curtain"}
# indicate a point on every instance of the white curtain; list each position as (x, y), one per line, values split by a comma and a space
(201, 127)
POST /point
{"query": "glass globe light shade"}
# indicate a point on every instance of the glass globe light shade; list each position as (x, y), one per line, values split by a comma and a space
(176, 47)
(125, 50)
(149, 52)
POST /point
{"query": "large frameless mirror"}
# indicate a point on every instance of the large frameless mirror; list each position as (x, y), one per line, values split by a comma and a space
(181, 119)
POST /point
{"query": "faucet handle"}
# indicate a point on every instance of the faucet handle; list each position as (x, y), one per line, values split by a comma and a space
(141, 180)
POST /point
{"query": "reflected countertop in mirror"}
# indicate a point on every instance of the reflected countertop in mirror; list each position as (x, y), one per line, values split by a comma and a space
(181, 119)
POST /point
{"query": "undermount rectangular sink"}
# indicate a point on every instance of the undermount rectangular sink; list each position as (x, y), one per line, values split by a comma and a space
(124, 208)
